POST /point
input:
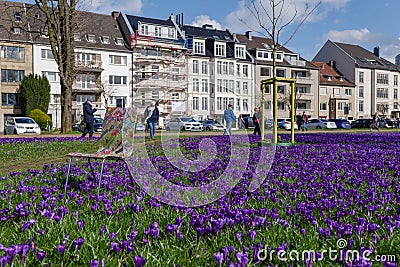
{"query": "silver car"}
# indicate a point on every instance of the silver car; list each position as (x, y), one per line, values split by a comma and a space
(183, 124)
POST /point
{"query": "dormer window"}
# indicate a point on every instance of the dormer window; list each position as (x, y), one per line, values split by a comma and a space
(17, 30)
(220, 50)
(17, 16)
(90, 38)
(198, 48)
(262, 55)
(105, 39)
(239, 52)
(119, 41)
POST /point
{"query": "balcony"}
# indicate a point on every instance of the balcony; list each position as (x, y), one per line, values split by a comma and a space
(339, 96)
(300, 63)
(89, 65)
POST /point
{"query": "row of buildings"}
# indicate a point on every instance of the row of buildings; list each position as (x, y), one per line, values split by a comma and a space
(193, 71)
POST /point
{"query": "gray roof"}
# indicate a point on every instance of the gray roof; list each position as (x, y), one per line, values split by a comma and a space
(201, 32)
(134, 21)
(365, 58)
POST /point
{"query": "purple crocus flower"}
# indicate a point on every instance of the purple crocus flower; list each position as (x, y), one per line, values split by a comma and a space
(139, 261)
(252, 234)
(61, 248)
(78, 242)
(40, 255)
(239, 237)
(94, 263)
(114, 247)
(80, 223)
(219, 257)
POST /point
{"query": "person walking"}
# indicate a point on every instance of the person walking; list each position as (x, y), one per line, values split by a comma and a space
(304, 120)
(152, 116)
(256, 121)
(88, 118)
(229, 117)
(299, 122)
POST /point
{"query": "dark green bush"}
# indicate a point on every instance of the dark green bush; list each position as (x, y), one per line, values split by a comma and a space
(41, 118)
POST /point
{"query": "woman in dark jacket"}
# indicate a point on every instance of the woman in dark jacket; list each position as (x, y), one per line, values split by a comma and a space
(152, 115)
(88, 118)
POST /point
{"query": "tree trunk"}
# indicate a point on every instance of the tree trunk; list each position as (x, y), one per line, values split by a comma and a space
(66, 107)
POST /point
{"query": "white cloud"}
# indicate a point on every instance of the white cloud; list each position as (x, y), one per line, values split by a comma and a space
(125, 6)
(351, 36)
(242, 19)
(204, 19)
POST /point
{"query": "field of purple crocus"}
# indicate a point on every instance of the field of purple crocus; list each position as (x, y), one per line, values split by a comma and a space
(329, 200)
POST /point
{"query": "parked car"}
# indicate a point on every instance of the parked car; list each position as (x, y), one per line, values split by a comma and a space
(341, 123)
(286, 124)
(212, 125)
(97, 125)
(21, 125)
(248, 121)
(361, 123)
(390, 123)
(320, 124)
(183, 124)
(140, 127)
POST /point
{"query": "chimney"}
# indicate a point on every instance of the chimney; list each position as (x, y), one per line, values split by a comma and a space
(171, 17)
(332, 64)
(249, 35)
(115, 14)
(207, 26)
(376, 51)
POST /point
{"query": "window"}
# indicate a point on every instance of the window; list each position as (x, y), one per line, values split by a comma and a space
(90, 38)
(12, 76)
(46, 54)
(361, 91)
(323, 106)
(83, 98)
(237, 87)
(195, 66)
(239, 52)
(303, 90)
(86, 81)
(118, 60)
(238, 70)
(396, 105)
(395, 80)
(150, 52)
(245, 88)
(336, 91)
(323, 90)
(219, 103)
(267, 89)
(382, 93)
(382, 78)
(231, 68)
(361, 77)
(348, 91)
(196, 85)
(175, 73)
(245, 104)
(12, 52)
(204, 85)
(157, 31)
(265, 71)
(267, 105)
(361, 106)
(245, 70)
(175, 96)
(237, 104)
(17, 16)
(17, 30)
(225, 85)
(395, 93)
(302, 105)
(262, 55)
(281, 89)
(231, 86)
(219, 67)
(204, 67)
(144, 29)
(195, 103)
(220, 50)
(51, 76)
(341, 105)
(154, 71)
(8, 99)
(113, 79)
(56, 99)
(171, 33)
(281, 105)
(204, 103)
(198, 48)
(105, 39)
(219, 85)
(155, 94)
(119, 41)
(224, 102)
(280, 73)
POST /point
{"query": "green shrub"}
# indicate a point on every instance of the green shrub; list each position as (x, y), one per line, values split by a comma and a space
(41, 118)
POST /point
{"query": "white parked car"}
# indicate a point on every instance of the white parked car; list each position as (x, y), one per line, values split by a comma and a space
(321, 124)
(21, 125)
(140, 127)
(286, 124)
(183, 124)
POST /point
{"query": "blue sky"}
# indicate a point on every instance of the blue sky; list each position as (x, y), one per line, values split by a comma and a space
(367, 23)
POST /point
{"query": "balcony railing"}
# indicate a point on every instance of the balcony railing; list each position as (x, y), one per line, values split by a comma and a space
(340, 96)
(297, 62)
(88, 64)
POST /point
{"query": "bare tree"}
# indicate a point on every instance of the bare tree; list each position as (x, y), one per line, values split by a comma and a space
(272, 17)
(106, 91)
(286, 98)
(59, 25)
